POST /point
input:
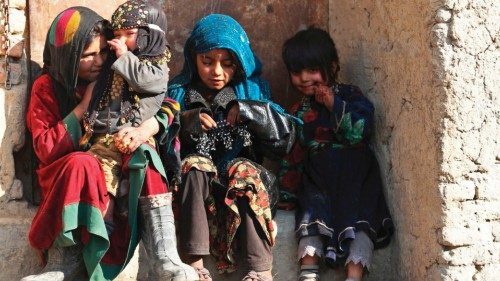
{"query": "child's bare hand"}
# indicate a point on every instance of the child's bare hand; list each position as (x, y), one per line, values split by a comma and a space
(207, 122)
(324, 96)
(128, 139)
(118, 46)
(233, 116)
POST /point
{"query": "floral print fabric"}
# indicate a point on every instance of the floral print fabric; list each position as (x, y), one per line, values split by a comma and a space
(224, 221)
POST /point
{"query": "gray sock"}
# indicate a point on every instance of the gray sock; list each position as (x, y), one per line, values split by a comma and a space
(309, 272)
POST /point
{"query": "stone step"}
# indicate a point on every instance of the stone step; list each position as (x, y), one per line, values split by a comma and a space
(285, 266)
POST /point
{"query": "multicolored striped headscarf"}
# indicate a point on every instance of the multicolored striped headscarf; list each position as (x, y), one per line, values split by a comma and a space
(65, 42)
(218, 31)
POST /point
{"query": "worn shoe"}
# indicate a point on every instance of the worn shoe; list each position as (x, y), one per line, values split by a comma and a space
(64, 263)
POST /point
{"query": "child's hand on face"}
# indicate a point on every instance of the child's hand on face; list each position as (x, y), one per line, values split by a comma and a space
(118, 46)
(207, 122)
(324, 96)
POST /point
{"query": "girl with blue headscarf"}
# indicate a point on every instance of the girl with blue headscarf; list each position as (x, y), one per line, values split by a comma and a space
(228, 126)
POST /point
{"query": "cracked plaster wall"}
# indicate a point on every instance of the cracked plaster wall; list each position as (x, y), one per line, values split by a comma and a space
(432, 68)
(466, 34)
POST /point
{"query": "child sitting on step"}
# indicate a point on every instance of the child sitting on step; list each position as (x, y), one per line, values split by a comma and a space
(341, 213)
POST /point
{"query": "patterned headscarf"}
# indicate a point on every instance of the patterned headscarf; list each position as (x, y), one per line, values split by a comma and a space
(151, 22)
(64, 45)
(217, 31)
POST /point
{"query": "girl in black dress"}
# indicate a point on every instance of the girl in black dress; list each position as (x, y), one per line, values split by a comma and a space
(342, 213)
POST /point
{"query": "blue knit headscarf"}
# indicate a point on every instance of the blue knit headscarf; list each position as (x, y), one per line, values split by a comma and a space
(217, 31)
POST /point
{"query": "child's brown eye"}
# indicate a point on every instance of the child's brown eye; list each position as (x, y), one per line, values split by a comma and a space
(228, 64)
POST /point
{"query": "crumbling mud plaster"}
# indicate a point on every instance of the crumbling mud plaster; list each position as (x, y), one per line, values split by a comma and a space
(431, 68)
(466, 43)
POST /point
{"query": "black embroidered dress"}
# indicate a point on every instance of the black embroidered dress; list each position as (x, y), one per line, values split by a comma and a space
(226, 160)
(335, 175)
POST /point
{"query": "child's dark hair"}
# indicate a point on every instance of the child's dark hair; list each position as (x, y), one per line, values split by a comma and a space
(312, 48)
(102, 27)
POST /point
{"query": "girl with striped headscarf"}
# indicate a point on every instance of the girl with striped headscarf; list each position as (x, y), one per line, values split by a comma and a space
(68, 230)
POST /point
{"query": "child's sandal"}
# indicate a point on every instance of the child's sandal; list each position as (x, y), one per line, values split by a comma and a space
(309, 272)
(203, 273)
